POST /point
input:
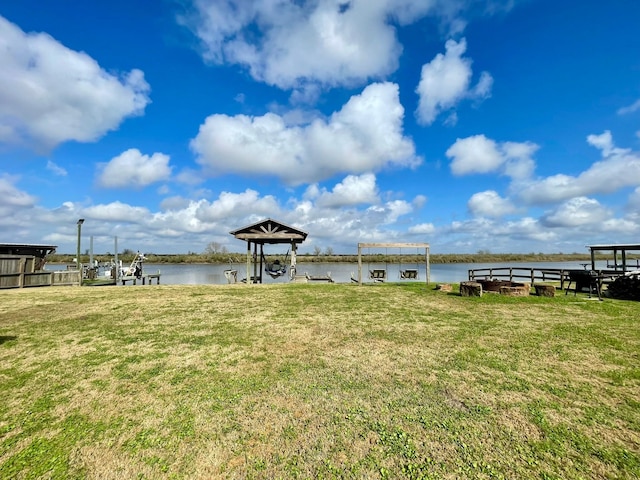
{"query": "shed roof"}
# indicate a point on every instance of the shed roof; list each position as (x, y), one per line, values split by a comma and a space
(270, 231)
(615, 246)
(27, 249)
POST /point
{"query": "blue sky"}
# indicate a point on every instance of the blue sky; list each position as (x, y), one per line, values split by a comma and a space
(503, 125)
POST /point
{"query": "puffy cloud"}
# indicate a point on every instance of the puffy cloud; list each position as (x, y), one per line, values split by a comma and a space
(11, 196)
(352, 41)
(365, 135)
(422, 229)
(133, 169)
(445, 81)
(579, 211)
(619, 168)
(116, 212)
(353, 190)
(623, 226)
(50, 94)
(240, 205)
(602, 142)
(479, 154)
(490, 204)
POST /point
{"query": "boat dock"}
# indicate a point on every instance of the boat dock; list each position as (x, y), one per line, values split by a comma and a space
(147, 278)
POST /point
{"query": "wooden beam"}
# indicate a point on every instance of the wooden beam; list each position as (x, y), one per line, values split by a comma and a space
(393, 245)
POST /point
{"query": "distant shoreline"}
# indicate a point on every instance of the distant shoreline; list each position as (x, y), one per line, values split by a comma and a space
(434, 258)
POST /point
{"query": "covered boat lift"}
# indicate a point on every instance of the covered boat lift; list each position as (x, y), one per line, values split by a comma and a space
(619, 261)
(268, 231)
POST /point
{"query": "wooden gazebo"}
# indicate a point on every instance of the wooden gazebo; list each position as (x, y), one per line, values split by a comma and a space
(268, 231)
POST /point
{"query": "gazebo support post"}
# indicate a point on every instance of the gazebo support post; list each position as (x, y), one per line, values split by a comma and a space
(248, 262)
(292, 269)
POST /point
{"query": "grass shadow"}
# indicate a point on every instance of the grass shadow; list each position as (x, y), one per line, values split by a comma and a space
(7, 338)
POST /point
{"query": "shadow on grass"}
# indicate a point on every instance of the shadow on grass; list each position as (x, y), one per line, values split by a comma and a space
(7, 338)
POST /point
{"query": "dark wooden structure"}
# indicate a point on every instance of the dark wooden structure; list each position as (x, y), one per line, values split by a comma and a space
(584, 281)
(619, 261)
(22, 265)
(268, 231)
(38, 252)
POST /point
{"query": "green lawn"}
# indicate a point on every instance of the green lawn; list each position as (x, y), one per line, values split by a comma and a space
(316, 381)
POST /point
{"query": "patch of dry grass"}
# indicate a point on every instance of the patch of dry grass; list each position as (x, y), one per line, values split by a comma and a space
(310, 381)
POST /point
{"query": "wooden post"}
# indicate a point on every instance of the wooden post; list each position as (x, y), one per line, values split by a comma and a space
(359, 265)
(248, 262)
(257, 273)
(22, 263)
(292, 269)
(427, 266)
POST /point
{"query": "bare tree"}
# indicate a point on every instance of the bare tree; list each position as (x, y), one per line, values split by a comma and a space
(215, 247)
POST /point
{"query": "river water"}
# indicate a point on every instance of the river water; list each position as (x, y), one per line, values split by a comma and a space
(206, 274)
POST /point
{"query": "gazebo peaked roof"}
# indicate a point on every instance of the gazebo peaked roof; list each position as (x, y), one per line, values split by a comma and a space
(270, 231)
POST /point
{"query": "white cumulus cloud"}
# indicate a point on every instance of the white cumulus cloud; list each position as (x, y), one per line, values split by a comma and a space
(12, 196)
(353, 190)
(292, 43)
(618, 168)
(116, 212)
(490, 204)
(576, 212)
(479, 154)
(50, 94)
(133, 169)
(240, 205)
(422, 229)
(365, 135)
(446, 80)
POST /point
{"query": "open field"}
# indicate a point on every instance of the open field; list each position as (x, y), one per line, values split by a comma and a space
(316, 381)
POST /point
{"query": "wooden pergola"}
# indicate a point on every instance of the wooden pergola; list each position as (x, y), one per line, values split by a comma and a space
(619, 252)
(268, 231)
(394, 245)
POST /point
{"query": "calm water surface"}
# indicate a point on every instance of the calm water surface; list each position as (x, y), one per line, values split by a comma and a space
(203, 274)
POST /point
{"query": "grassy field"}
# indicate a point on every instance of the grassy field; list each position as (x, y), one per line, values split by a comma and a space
(316, 381)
